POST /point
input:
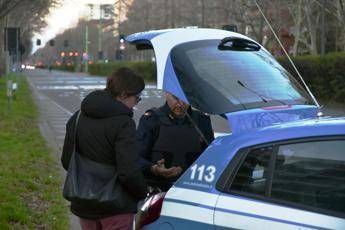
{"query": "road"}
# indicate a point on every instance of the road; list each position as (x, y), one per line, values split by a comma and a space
(58, 96)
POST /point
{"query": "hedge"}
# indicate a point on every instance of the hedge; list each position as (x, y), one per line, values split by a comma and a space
(146, 69)
(325, 76)
(69, 68)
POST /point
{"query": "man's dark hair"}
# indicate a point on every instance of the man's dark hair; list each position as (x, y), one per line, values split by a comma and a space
(125, 81)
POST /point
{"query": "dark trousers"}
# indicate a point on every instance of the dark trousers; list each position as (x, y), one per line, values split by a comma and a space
(117, 222)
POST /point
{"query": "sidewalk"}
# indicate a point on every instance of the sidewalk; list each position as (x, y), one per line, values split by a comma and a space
(48, 108)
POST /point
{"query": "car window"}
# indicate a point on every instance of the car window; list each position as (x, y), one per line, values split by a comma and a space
(252, 176)
(230, 80)
(312, 174)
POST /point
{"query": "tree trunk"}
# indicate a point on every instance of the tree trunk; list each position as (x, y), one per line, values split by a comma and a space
(298, 29)
(311, 29)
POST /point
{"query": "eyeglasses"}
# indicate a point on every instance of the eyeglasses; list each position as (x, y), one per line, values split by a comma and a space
(137, 98)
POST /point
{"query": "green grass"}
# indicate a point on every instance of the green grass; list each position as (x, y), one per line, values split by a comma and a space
(30, 183)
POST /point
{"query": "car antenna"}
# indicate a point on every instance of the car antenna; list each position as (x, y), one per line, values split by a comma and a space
(293, 65)
(196, 127)
(193, 123)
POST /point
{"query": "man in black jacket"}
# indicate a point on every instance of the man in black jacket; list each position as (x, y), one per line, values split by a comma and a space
(171, 138)
(106, 134)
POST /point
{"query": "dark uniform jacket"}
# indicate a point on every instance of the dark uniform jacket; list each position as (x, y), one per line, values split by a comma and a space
(175, 140)
(106, 134)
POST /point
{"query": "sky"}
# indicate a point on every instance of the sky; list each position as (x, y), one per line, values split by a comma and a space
(64, 16)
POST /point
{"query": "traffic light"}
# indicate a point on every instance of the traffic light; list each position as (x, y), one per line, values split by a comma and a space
(52, 42)
(122, 45)
(12, 39)
(122, 38)
(100, 55)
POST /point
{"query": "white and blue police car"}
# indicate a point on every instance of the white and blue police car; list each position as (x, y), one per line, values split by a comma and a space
(282, 166)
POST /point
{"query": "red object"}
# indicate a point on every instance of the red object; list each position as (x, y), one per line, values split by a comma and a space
(62, 54)
(153, 209)
(70, 54)
(277, 107)
(76, 54)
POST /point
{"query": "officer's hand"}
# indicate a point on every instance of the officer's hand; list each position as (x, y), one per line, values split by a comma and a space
(161, 162)
(159, 169)
(177, 171)
(172, 172)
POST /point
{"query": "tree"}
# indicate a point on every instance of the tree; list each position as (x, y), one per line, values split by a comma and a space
(296, 22)
(32, 14)
(6, 6)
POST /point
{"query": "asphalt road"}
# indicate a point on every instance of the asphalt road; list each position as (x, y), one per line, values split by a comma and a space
(58, 96)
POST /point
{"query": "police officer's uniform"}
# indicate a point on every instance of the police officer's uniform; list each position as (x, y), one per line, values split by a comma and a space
(175, 140)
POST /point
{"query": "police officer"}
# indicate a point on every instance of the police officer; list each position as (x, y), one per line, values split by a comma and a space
(171, 140)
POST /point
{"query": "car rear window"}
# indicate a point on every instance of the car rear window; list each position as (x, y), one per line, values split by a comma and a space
(218, 81)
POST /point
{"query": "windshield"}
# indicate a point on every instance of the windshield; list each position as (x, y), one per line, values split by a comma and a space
(219, 81)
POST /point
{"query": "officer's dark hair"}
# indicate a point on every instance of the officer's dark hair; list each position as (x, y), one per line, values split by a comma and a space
(125, 81)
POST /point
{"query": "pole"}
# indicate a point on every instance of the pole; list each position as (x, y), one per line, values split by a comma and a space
(17, 54)
(87, 47)
(203, 13)
(9, 94)
(87, 39)
(100, 53)
(118, 27)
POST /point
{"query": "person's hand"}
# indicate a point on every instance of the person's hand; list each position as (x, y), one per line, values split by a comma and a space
(159, 169)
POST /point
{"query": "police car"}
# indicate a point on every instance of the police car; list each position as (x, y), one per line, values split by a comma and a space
(282, 166)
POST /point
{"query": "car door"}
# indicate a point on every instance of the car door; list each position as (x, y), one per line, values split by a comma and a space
(288, 185)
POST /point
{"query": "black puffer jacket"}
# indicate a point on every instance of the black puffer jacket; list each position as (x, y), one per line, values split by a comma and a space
(106, 134)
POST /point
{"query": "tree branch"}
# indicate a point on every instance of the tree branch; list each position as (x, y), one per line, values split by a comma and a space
(8, 8)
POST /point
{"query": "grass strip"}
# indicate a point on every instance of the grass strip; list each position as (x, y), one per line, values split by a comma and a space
(30, 183)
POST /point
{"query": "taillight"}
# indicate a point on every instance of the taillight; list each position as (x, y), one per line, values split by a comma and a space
(151, 209)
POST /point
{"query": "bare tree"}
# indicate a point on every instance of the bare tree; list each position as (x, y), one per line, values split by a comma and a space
(340, 6)
(296, 22)
(6, 6)
(31, 19)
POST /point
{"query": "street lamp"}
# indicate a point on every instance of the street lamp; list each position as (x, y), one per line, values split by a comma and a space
(86, 56)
